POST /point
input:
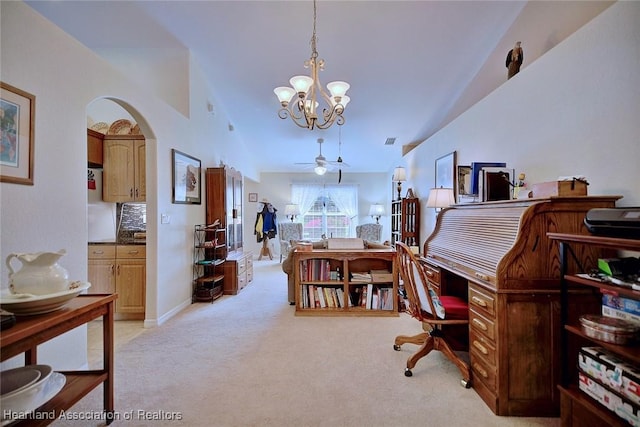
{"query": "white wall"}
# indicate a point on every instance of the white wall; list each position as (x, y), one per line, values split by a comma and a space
(576, 110)
(65, 77)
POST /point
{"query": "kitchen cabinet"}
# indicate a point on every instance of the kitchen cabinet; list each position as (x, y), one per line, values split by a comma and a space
(120, 269)
(124, 175)
(102, 260)
(95, 142)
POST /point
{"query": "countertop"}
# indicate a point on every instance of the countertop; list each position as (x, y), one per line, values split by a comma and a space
(124, 241)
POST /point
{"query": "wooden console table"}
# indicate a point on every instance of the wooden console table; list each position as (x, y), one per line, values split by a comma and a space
(31, 331)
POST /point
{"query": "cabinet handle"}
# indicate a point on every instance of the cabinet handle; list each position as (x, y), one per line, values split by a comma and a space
(96, 252)
(131, 192)
(118, 270)
(480, 370)
(430, 273)
(111, 269)
(480, 347)
(133, 252)
(136, 193)
(479, 301)
(480, 324)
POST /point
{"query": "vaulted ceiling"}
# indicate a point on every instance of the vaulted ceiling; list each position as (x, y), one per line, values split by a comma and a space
(413, 66)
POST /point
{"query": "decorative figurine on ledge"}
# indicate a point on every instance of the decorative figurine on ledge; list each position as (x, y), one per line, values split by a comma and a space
(514, 60)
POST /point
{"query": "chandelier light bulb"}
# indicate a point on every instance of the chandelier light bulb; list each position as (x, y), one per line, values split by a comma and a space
(284, 94)
(301, 84)
(338, 88)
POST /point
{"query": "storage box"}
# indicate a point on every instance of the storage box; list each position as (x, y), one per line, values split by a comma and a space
(621, 407)
(559, 188)
(381, 276)
(611, 371)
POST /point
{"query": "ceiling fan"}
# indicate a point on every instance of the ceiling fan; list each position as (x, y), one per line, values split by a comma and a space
(321, 165)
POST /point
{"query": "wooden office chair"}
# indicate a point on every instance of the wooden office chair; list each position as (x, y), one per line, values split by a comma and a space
(432, 311)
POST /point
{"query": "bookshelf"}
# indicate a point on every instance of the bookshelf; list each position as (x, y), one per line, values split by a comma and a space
(578, 407)
(209, 254)
(346, 282)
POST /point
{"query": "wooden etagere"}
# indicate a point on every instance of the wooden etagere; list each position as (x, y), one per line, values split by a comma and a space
(577, 408)
(209, 254)
(343, 276)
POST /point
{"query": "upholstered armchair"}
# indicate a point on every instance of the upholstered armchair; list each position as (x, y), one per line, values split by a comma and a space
(288, 231)
(369, 232)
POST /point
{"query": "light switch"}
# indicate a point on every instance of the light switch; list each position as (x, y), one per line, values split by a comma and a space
(165, 219)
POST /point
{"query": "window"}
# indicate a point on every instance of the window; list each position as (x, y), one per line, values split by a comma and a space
(326, 210)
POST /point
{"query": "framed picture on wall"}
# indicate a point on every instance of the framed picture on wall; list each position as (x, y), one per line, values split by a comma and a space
(253, 197)
(17, 113)
(464, 180)
(186, 178)
(446, 171)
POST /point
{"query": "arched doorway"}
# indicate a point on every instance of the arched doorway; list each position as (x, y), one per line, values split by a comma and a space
(128, 224)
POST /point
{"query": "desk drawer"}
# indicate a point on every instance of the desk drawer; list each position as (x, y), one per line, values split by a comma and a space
(482, 325)
(482, 300)
(483, 348)
(482, 371)
(242, 280)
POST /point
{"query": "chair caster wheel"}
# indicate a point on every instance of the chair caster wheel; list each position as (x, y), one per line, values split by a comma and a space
(465, 383)
(396, 347)
(408, 373)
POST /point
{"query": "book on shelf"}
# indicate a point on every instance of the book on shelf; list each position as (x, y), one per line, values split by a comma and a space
(619, 314)
(360, 277)
(378, 276)
(321, 298)
(621, 303)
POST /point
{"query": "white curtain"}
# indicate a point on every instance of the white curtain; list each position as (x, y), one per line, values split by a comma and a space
(305, 196)
(346, 199)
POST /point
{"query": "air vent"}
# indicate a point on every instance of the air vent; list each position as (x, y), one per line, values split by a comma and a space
(390, 141)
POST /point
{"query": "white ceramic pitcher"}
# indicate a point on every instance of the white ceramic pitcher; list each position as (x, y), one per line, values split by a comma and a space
(40, 273)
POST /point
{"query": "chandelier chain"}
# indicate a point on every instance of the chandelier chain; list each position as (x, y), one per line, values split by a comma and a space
(314, 50)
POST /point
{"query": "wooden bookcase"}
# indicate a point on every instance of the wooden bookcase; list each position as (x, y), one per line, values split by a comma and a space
(405, 221)
(332, 273)
(577, 408)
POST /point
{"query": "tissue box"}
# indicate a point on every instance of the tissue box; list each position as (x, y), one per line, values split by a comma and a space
(559, 189)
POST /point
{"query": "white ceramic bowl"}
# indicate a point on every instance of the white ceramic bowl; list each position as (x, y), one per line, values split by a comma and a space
(14, 380)
(33, 396)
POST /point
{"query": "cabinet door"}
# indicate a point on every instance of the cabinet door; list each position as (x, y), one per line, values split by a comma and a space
(130, 285)
(140, 172)
(118, 176)
(102, 276)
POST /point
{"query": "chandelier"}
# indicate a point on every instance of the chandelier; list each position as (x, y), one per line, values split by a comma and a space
(304, 110)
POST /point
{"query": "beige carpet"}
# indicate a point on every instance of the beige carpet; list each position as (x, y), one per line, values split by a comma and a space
(246, 360)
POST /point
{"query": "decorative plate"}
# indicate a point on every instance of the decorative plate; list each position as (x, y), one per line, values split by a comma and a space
(120, 127)
(29, 305)
(101, 127)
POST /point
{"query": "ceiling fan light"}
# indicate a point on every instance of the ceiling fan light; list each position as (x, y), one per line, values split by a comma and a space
(338, 88)
(284, 94)
(320, 170)
(301, 84)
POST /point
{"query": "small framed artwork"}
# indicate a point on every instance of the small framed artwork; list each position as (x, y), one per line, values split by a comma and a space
(187, 173)
(17, 123)
(464, 180)
(446, 171)
(253, 197)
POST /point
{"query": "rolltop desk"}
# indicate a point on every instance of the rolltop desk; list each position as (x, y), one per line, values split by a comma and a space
(498, 256)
